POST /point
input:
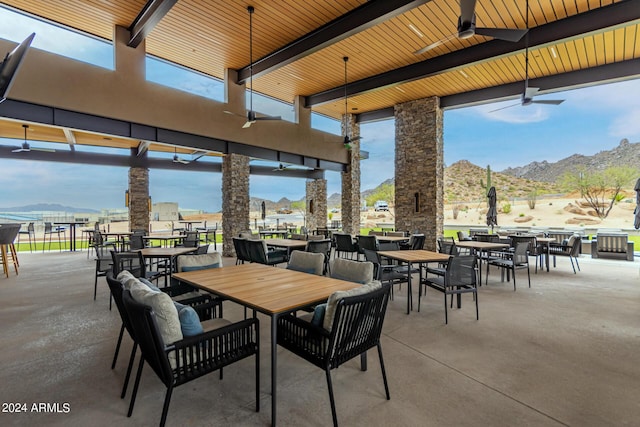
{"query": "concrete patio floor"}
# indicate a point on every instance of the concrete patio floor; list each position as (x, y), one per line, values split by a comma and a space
(564, 352)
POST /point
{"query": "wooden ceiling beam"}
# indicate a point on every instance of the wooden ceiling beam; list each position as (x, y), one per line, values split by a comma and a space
(571, 27)
(151, 14)
(359, 19)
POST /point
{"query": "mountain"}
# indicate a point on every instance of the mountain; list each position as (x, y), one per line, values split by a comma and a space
(48, 207)
(625, 154)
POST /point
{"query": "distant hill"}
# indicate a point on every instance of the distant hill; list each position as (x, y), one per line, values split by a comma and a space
(625, 154)
(48, 207)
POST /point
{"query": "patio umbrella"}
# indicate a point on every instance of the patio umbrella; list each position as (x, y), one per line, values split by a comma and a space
(492, 213)
(263, 212)
(636, 223)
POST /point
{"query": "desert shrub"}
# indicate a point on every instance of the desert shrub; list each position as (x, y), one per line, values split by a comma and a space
(619, 197)
(506, 208)
(521, 214)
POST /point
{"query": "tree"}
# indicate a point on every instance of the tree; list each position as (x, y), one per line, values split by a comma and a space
(600, 188)
(385, 192)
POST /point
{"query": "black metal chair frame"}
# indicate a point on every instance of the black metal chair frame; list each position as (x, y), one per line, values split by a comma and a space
(50, 229)
(194, 356)
(323, 247)
(573, 252)
(242, 255)
(205, 305)
(459, 278)
(257, 253)
(31, 233)
(345, 244)
(512, 261)
(356, 328)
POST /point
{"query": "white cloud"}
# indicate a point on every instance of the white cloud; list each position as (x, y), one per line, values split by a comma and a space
(627, 125)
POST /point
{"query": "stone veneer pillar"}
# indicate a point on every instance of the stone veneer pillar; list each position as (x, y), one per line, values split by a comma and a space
(351, 179)
(316, 197)
(235, 199)
(419, 174)
(138, 198)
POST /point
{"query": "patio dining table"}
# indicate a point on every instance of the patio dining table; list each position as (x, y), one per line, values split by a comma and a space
(411, 257)
(480, 247)
(268, 290)
(288, 244)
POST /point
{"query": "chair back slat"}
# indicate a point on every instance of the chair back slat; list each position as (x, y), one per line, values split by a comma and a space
(357, 325)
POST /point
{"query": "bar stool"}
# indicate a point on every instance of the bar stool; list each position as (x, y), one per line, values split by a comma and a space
(8, 233)
(31, 233)
(50, 230)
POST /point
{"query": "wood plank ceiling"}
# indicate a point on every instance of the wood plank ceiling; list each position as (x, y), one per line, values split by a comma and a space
(210, 36)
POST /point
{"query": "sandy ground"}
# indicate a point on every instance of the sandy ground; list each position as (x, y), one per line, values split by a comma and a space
(547, 213)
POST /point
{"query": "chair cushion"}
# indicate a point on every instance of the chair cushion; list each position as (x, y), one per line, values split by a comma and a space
(335, 297)
(352, 271)
(164, 308)
(199, 262)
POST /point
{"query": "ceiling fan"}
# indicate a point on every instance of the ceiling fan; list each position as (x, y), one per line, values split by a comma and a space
(467, 28)
(251, 115)
(281, 167)
(26, 147)
(178, 159)
(529, 92)
(347, 139)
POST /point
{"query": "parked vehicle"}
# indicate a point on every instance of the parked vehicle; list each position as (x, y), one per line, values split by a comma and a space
(381, 205)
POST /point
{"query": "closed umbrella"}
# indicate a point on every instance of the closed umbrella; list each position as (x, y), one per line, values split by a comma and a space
(636, 223)
(492, 213)
(263, 212)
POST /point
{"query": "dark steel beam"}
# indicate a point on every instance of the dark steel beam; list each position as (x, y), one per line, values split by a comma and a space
(151, 14)
(285, 173)
(359, 19)
(19, 110)
(573, 26)
(588, 77)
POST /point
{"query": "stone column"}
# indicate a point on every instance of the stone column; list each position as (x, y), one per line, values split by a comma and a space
(351, 179)
(419, 176)
(235, 199)
(316, 210)
(138, 198)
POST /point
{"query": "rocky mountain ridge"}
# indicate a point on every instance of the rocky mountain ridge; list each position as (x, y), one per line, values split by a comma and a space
(625, 154)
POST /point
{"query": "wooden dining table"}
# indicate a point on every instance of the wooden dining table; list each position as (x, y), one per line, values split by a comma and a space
(269, 290)
(411, 257)
(288, 244)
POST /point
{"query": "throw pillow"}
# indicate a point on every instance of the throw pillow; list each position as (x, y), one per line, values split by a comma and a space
(318, 314)
(202, 261)
(199, 267)
(301, 269)
(189, 321)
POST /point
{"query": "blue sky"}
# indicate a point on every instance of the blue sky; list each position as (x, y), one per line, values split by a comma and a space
(590, 120)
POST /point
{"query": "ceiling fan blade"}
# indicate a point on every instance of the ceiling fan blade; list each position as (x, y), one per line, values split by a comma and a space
(48, 150)
(549, 101)
(20, 150)
(268, 118)
(507, 34)
(435, 44)
(503, 108)
(357, 138)
(248, 124)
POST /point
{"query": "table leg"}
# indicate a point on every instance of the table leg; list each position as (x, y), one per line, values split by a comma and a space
(409, 287)
(274, 363)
